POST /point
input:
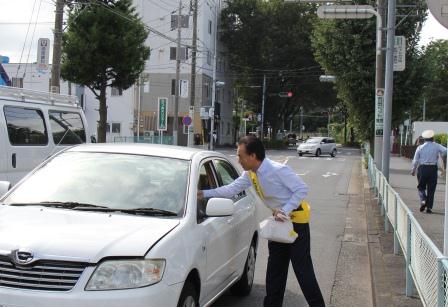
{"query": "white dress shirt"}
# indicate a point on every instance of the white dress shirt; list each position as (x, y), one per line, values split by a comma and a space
(281, 186)
(427, 154)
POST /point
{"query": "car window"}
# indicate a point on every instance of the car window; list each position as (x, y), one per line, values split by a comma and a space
(312, 141)
(25, 126)
(117, 181)
(206, 182)
(67, 128)
(226, 175)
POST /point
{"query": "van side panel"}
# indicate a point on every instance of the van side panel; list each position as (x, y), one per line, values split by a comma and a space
(3, 146)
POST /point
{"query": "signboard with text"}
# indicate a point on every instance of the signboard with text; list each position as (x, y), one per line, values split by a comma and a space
(379, 111)
(162, 111)
(43, 53)
(399, 53)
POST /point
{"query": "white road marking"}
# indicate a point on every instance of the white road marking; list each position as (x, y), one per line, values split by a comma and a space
(329, 174)
(286, 161)
(303, 174)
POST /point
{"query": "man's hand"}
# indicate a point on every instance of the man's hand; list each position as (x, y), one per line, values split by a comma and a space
(200, 194)
(279, 215)
(413, 173)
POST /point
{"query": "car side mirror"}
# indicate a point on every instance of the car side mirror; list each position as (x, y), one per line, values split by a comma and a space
(219, 207)
(4, 187)
(322, 142)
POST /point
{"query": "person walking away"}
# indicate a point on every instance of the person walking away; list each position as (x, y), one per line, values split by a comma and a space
(425, 164)
(283, 191)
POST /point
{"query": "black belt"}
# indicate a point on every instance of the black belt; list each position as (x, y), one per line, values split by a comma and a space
(429, 164)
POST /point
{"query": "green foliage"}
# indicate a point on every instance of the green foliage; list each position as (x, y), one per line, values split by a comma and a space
(435, 61)
(272, 38)
(346, 49)
(275, 144)
(104, 47)
(441, 139)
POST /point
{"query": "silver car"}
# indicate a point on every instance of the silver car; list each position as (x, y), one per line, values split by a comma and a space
(317, 146)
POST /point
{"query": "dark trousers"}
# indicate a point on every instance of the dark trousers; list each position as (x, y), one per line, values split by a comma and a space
(277, 272)
(427, 182)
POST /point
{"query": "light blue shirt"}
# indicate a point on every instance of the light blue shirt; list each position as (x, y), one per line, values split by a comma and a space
(427, 153)
(282, 187)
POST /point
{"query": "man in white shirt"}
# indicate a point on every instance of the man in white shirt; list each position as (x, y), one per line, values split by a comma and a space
(282, 190)
(425, 163)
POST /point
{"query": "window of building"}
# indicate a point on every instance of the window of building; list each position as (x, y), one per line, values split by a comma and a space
(116, 127)
(183, 53)
(210, 24)
(209, 58)
(25, 126)
(116, 91)
(173, 86)
(184, 21)
(17, 82)
(67, 128)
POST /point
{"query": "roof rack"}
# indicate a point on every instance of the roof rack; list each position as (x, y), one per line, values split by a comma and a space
(27, 95)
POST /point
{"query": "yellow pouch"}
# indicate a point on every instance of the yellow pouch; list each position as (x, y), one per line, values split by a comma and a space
(303, 214)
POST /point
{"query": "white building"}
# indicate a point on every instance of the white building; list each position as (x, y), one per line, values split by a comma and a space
(161, 67)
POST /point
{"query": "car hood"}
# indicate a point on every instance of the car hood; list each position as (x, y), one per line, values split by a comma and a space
(58, 234)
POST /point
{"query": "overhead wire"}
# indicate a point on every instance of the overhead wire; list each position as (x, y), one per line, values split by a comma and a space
(32, 39)
(26, 37)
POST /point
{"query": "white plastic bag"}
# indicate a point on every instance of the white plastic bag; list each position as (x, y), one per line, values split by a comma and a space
(277, 231)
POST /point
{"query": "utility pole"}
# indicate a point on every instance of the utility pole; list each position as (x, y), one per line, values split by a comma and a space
(193, 66)
(424, 108)
(262, 106)
(379, 84)
(177, 83)
(389, 86)
(57, 46)
(301, 122)
(212, 119)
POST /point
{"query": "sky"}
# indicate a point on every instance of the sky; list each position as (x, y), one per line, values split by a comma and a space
(16, 15)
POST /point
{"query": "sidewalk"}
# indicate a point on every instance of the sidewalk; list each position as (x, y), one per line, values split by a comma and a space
(406, 186)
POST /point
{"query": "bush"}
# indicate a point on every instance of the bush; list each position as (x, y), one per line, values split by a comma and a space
(440, 138)
(275, 144)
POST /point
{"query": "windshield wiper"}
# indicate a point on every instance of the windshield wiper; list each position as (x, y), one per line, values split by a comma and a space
(59, 204)
(148, 211)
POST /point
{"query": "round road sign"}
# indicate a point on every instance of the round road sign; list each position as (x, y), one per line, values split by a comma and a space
(186, 120)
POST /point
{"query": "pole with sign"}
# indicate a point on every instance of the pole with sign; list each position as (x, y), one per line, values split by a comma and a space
(379, 112)
(162, 114)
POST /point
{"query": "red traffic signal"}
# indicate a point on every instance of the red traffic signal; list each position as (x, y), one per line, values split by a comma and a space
(290, 94)
(286, 94)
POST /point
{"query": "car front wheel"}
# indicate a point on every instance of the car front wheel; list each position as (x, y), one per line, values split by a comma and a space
(244, 285)
(300, 154)
(318, 152)
(188, 297)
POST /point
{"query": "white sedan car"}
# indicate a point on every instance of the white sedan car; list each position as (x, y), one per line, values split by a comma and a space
(120, 225)
(318, 146)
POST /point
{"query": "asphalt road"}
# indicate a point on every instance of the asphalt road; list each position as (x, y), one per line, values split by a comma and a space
(328, 180)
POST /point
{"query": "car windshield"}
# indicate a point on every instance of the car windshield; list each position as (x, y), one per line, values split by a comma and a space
(110, 180)
(313, 141)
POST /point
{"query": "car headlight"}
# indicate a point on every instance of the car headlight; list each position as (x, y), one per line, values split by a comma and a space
(126, 274)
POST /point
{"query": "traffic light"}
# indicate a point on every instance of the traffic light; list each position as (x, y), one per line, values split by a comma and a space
(290, 94)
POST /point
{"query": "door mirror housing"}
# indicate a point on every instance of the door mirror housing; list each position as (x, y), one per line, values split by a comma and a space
(219, 207)
(4, 187)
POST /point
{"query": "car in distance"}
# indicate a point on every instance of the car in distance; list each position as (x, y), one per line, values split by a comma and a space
(318, 146)
(120, 225)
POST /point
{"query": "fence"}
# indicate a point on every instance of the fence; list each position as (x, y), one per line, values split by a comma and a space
(155, 139)
(426, 267)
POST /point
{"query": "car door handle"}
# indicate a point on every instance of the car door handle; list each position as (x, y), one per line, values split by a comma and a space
(13, 160)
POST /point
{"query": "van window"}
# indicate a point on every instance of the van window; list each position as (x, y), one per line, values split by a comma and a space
(67, 128)
(25, 126)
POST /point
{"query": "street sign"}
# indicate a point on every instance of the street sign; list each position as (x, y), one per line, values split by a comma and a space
(399, 53)
(345, 11)
(211, 112)
(183, 88)
(327, 78)
(379, 111)
(43, 53)
(204, 113)
(186, 120)
(439, 9)
(162, 111)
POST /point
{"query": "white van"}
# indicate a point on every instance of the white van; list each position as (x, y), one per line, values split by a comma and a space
(33, 126)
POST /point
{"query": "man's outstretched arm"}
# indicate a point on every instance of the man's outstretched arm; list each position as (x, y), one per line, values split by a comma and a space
(228, 191)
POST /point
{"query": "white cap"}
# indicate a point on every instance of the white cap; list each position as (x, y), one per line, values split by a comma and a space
(428, 134)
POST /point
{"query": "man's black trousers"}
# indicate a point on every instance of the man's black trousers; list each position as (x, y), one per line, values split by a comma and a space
(427, 182)
(277, 272)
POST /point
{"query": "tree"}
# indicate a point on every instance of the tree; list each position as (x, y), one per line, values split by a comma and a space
(346, 48)
(104, 47)
(272, 38)
(435, 62)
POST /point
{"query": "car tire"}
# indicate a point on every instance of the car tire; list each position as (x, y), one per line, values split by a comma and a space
(318, 152)
(300, 154)
(333, 152)
(244, 285)
(188, 296)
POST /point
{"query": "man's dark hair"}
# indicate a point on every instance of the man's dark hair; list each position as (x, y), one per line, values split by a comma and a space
(253, 146)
